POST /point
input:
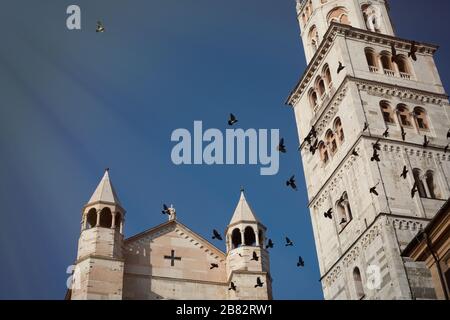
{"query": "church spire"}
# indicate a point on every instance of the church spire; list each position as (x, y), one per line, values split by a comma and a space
(243, 212)
(105, 192)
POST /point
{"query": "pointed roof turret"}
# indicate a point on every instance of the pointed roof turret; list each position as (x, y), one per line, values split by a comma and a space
(243, 212)
(105, 192)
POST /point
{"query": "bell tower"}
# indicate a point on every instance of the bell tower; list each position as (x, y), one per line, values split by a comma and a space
(369, 107)
(247, 259)
(99, 267)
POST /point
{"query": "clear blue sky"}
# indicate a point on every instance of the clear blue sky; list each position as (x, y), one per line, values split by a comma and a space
(75, 102)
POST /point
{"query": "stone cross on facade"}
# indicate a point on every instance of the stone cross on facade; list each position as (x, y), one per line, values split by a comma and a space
(172, 258)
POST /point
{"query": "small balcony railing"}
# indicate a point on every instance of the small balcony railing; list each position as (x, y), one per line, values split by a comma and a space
(405, 75)
(373, 69)
(389, 73)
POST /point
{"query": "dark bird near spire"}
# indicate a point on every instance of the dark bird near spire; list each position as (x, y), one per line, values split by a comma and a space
(259, 283)
(413, 50)
(100, 27)
(426, 142)
(373, 190)
(269, 244)
(213, 265)
(366, 126)
(281, 147)
(386, 133)
(414, 190)
(300, 262)
(375, 156)
(291, 183)
(255, 256)
(343, 221)
(232, 286)
(165, 210)
(340, 67)
(289, 243)
(446, 148)
(328, 214)
(395, 57)
(355, 153)
(232, 120)
(216, 235)
(404, 172)
(403, 133)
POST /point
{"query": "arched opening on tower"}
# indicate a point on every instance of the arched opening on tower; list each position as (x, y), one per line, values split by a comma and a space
(339, 129)
(91, 218)
(249, 236)
(421, 119)
(432, 188)
(105, 218)
(118, 221)
(358, 283)
(261, 237)
(371, 59)
(236, 238)
(404, 116)
(388, 114)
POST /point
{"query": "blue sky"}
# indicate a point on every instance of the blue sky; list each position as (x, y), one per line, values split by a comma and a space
(75, 102)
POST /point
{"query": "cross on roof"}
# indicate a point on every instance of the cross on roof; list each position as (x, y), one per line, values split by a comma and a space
(172, 258)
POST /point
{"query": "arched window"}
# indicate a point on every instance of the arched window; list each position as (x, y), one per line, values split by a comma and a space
(339, 130)
(261, 237)
(91, 219)
(313, 37)
(323, 152)
(404, 116)
(236, 238)
(358, 283)
(429, 177)
(105, 218)
(249, 236)
(344, 211)
(403, 66)
(386, 63)
(421, 119)
(320, 84)
(327, 75)
(417, 173)
(338, 15)
(386, 110)
(331, 141)
(118, 221)
(313, 98)
(371, 59)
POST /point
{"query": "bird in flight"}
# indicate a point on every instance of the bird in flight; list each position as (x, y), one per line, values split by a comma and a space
(232, 286)
(232, 120)
(216, 235)
(259, 283)
(281, 147)
(355, 153)
(254, 256)
(343, 221)
(404, 172)
(395, 56)
(328, 214)
(426, 142)
(269, 244)
(403, 133)
(165, 209)
(413, 50)
(376, 145)
(314, 147)
(366, 126)
(340, 67)
(214, 265)
(374, 189)
(291, 183)
(300, 262)
(289, 242)
(386, 133)
(100, 27)
(375, 156)
(414, 190)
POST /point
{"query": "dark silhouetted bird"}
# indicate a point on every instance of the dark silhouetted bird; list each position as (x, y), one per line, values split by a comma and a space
(355, 153)
(413, 50)
(100, 27)
(375, 156)
(377, 145)
(232, 286)
(386, 133)
(395, 57)
(240, 255)
(446, 148)
(314, 147)
(291, 183)
(259, 283)
(300, 262)
(216, 235)
(313, 132)
(289, 243)
(374, 190)
(165, 210)
(214, 265)
(343, 221)
(254, 256)
(232, 120)
(269, 244)
(404, 172)
(414, 190)
(366, 126)
(281, 147)
(340, 67)
(328, 214)
(403, 133)
(426, 142)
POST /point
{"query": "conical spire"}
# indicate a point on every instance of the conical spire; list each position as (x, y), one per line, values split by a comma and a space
(105, 191)
(243, 212)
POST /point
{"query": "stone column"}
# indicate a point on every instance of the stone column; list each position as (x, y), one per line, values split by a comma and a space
(113, 221)
(98, 218)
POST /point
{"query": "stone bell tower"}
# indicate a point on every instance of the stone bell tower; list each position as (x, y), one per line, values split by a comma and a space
(99, 267)
(369, 107)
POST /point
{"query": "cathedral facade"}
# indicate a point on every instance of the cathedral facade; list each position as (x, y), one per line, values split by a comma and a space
(372, 117)
(169, 261)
